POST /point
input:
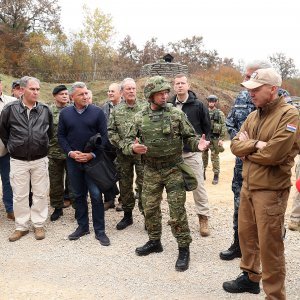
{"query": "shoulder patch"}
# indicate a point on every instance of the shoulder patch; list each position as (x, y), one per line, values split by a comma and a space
(291, 127)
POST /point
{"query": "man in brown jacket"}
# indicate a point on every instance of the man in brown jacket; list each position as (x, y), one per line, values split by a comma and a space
(268, 142)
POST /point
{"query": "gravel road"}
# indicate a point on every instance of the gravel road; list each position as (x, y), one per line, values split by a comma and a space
(56, 268)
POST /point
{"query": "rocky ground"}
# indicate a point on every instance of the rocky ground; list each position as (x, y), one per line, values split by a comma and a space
(56, 268)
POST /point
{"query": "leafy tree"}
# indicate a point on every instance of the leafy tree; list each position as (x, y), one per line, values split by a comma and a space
(284, 65)
(97, 34)
(152, 52)
(19, 19)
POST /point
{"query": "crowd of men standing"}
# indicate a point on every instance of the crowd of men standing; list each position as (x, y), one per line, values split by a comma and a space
(154, 140)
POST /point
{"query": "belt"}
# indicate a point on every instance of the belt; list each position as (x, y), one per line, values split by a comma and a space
(162, 164)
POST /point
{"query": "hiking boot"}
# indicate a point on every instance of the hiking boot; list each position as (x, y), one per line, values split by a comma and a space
(241, 285)
(182, 263)
(294, 226)
(109, 204)
(56, 214)
(233, 251)
(203, 222)
(10, 216)
(39, 233)
(17, 234)
(126, 221)
(150, 247)
(216, 178)
(103, 239)
(78, 233)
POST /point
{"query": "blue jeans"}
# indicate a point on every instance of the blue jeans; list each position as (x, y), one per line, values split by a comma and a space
(6, 188)
(81, 184)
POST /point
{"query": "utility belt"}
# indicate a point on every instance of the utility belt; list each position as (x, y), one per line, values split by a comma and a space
(157, 163)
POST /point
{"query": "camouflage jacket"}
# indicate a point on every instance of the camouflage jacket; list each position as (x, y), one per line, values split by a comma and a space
(218, 128)
(54, 148)
(163, 131)
(120, 120)
(242, 107)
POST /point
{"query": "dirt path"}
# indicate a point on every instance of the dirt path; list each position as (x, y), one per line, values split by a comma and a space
(57, 268)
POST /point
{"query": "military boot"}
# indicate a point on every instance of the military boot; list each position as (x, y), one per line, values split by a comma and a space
(216, 178)
(182, 263)
(233, 251)
(203, 222)
(126, 221)
(241, 285)
(150, 247)
(57, 213)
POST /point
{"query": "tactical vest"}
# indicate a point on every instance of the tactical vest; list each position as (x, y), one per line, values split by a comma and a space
(157, 133)
(215, 119)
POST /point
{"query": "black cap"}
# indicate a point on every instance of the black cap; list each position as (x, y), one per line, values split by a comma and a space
(58, 89)
(15, 83)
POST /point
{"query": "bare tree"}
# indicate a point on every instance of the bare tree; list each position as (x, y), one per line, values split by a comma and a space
(284, 65)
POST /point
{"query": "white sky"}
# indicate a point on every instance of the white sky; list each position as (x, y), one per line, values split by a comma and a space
(242, 30)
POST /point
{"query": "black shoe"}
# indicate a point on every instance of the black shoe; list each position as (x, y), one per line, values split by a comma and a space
(241, 285)
(78, 233)
(126, 221)
(150, 247)
(233, 251)
(182, 263)
(103, 239)
(56, 214)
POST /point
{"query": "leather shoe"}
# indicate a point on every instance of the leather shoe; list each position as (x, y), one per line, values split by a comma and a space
(150, 247)
(78, 233)
(109, 204)
(182, 263)
(10, 216)
(103, 239)
(17, 234)
(241, 285)
(58, 212)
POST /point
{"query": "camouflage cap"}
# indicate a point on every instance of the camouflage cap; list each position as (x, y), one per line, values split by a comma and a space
(156, 84)
(212, 98)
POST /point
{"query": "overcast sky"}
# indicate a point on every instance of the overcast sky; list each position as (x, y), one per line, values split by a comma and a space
(242, 30)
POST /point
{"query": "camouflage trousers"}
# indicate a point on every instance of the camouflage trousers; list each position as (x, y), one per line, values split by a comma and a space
(155, 180)
(215, 160)
(126, 165)
(236, 186)
(59, 182)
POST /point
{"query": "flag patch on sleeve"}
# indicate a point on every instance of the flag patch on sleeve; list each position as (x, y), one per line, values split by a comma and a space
(291, 127)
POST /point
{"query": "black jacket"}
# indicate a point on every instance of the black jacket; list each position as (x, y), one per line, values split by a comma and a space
(198, 115)
(26, 139)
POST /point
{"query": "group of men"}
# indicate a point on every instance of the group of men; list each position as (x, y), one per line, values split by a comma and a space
(158, 138)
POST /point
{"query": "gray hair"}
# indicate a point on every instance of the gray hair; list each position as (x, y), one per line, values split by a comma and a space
(117, 85)
(24, 80)
(75, 86)
(258, 64)
(128, 79)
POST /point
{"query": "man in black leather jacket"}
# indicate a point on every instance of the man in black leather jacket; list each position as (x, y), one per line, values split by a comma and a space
(25, 129)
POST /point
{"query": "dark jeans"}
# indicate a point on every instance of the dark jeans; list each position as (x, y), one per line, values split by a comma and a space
(81, 184)
(6, 188)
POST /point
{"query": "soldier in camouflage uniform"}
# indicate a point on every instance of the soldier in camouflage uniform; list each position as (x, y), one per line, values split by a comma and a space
(59, 192)
(162, 130)
(242, 107)
(217, 136)
(120, 121)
